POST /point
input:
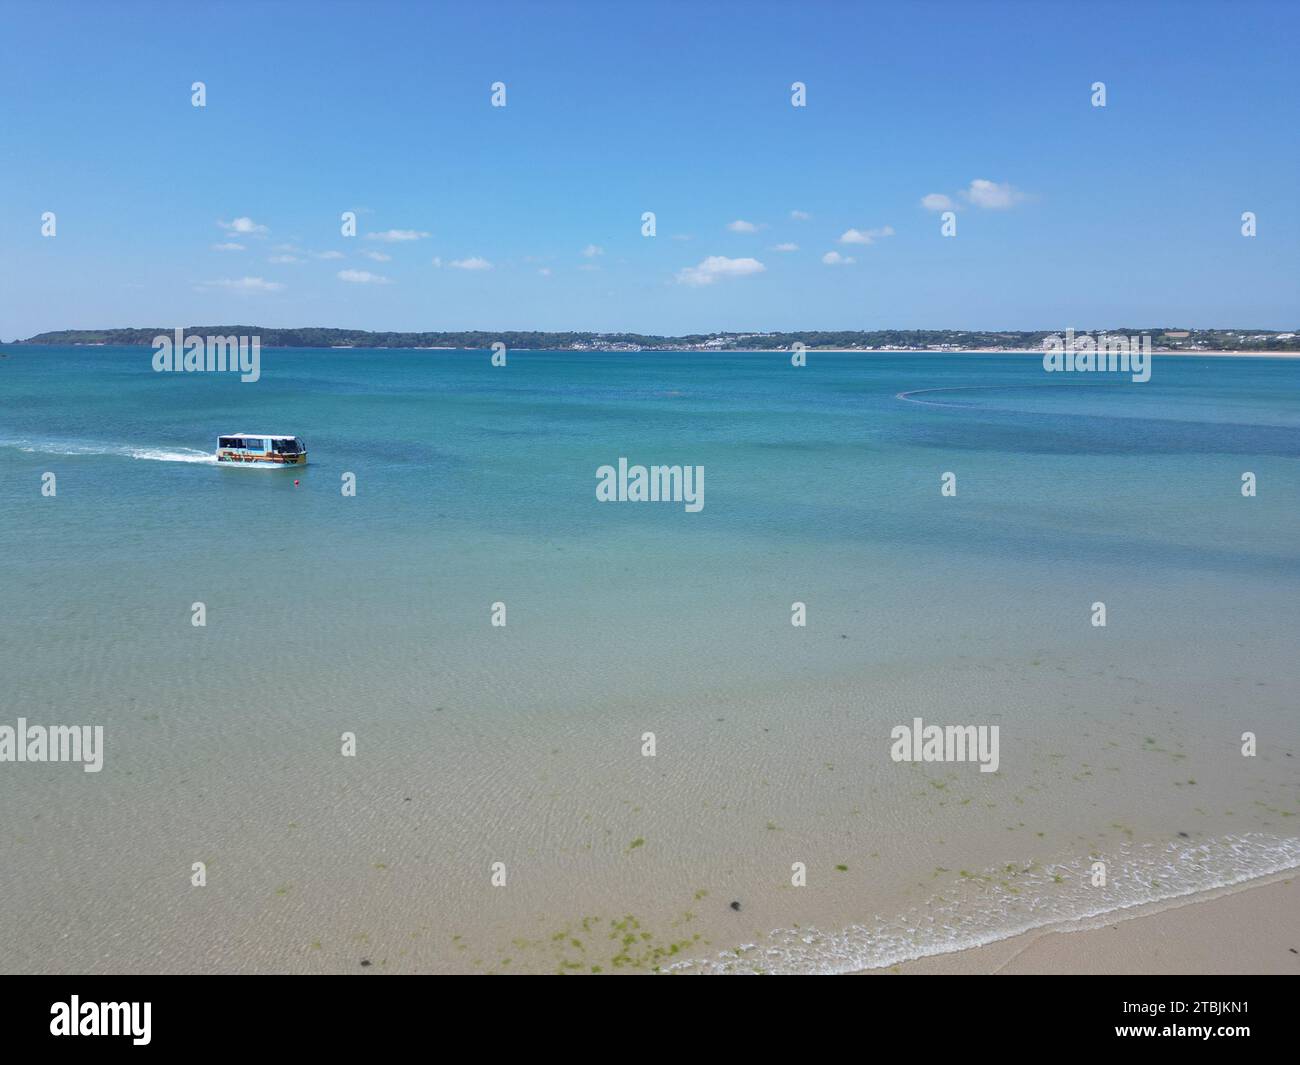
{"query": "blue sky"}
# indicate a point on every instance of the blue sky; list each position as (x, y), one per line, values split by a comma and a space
(1091, 217)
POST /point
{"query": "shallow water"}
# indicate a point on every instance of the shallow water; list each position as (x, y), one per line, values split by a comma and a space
(328, 614)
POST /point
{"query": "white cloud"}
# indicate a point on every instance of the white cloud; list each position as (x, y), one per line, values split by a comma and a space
(437, 261)
(787, 246)
(228, 245)
(474, 262)
(243, 225)
(718, 266)
(377, 256)
(397, 236)
(243, 284)
(330, 255)
(592, 250)
(834, 258)
(545, 271)
(991, 195)
(283, 259)
(936, 201)
(741, 226)
(800, 216)
(363, 277)
(865, 236)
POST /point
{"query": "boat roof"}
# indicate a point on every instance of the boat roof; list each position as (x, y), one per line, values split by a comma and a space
(262, 436)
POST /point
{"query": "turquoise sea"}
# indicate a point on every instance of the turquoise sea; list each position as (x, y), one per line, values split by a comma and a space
(523, 745)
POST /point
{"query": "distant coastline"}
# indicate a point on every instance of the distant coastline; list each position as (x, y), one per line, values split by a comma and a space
(1163, 340)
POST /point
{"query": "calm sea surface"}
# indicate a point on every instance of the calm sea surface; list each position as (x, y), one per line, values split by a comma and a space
(371, 615)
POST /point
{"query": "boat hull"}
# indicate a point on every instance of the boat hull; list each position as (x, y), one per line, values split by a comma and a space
(272, 462)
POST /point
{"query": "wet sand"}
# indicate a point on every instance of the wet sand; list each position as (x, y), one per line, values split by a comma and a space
(1248, 930)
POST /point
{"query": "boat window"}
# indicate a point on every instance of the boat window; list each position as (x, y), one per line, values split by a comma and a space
(292, 446)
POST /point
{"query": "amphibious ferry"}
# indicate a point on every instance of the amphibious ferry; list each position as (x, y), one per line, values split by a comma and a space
(260, 449)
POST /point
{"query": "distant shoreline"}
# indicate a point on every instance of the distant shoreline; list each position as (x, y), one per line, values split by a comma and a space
(1013, 351)
(705, 351)
(1165, 339)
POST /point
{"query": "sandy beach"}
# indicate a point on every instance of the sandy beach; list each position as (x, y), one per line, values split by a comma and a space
(1251, 929)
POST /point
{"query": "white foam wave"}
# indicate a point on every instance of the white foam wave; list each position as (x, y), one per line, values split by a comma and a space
(164, 455)
(153, 454)
(976, 911)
